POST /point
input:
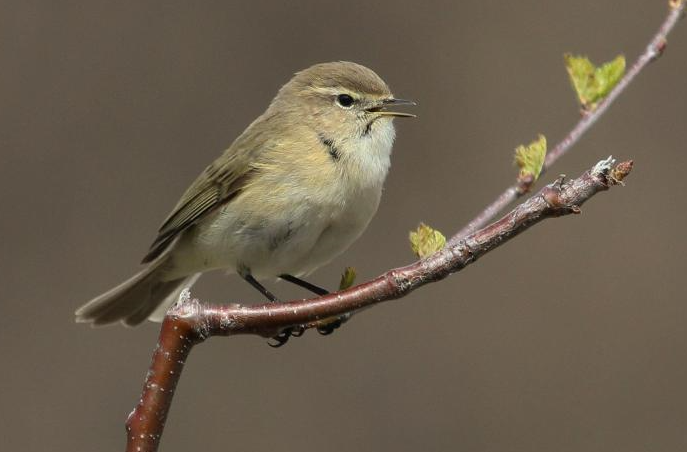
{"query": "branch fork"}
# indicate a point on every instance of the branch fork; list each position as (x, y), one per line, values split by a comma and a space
(190, 322)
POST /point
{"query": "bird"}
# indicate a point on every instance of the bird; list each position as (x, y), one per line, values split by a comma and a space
(293, 191)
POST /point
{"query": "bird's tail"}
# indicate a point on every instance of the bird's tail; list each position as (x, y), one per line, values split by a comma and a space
(136, 299)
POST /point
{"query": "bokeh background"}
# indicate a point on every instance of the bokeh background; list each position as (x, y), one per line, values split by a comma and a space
(573, 337)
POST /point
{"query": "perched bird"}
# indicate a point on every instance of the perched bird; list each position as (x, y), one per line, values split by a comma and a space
(293, 191)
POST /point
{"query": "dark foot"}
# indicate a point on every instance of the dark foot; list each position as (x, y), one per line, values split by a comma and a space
(326, 330)
(297, 331)
(280, 339)
(283, 337)
(329, 327)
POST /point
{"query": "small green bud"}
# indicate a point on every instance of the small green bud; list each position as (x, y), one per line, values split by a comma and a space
(425, 240)
(530, 158)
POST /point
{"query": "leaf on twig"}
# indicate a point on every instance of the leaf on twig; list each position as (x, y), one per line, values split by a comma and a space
(530, 159)
(592, 84)
(347, 278)
(425, 240)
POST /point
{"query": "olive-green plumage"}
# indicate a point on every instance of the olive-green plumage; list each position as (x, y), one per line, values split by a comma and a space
(295, 189)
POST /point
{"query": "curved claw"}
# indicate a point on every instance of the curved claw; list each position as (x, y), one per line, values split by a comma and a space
(328, 329)
(297, 331)
(280, 339)
(283, 337)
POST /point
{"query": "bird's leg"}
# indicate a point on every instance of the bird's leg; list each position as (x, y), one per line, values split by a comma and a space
(329, 327)
(254, 282)
(304, 284)
(283, 337)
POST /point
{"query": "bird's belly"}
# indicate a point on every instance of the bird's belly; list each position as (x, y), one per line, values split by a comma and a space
(296, 239)
(341, 231)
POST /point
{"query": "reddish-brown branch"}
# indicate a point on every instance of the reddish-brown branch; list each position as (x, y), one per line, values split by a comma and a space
(189, 322)
(655, 49)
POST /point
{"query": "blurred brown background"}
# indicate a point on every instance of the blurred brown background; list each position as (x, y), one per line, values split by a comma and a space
(572, 337)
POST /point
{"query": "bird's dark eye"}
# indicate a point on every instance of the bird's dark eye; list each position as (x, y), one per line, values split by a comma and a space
(344, 100)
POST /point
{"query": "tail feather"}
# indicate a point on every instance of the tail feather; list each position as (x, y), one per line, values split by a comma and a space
(164, 293)
(135, 299)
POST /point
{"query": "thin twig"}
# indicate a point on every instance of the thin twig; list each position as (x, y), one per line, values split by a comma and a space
(189, 322)
(653, 51)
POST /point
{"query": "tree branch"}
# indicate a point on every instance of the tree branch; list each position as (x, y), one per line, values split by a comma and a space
(655, 49)
(189, 322)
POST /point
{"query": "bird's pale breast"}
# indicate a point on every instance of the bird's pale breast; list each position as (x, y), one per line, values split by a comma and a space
(292, 220)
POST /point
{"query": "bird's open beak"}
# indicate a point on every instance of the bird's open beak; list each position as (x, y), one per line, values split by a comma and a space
(381, 109)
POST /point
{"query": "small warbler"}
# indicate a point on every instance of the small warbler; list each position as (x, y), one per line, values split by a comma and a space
(293, 191)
